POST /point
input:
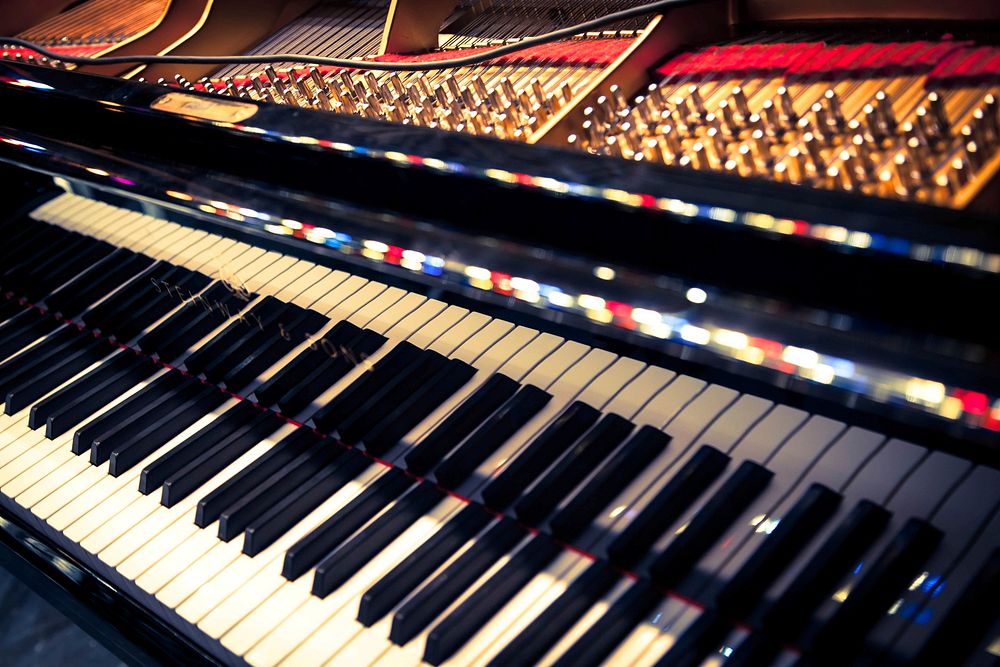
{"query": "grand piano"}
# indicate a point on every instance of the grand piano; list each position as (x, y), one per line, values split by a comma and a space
(664, 343)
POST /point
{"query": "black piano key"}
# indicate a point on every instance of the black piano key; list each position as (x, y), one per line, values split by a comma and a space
(254, 340)
(640, 450)
(155, 308)
(192, 323)
(281, 454)
(331, 533)
(390, 395)
(9, 308)
(23, 329)
(710, 522)
(793, 532)
(700, 471)
(469, 617)
(115, 270)
(887, 577)
(132, 423)
(272, 347)
(965, 625)
(293, 508)
(213, 460)
(495, 431)
(158, 432)
(344, 563)
(572, 468)
(19, 274)
(421, 610)
(460, 423)
(220, 311)
(36, 359)
(396, 363)
(235, 518)
(246, 323)
(126, 411)
(60, 267)
(612, 627)
(417, 407)
(131, 297)
(328, 372)
(699, 640)
(70, 406)
(304, 364)
(62, 371)
(834, 559)
(390, 590)
(534, 459)
(556, 620)
(239, 416)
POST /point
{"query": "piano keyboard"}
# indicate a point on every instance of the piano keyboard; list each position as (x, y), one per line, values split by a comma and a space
(293, 465)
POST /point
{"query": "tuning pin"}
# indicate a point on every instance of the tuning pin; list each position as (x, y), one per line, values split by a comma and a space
(480, 89)
(904, 181)
(728, 118)
(740, 100)
(771, 116)
(836, 116)
(812, 145)
(697, 155)
(973, 155)
(991, 113)
(761, 145)
(453, 88)
(717, 154)
(694, 95)
(927, 125)
(796, 165)
(746, 162)
(566, 91)
(300, 83)
(787, 108)
(940, 114)
(671, 140)
(615, 93)
(351, 86)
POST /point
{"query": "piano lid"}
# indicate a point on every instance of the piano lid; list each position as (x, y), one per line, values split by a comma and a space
(844, 300)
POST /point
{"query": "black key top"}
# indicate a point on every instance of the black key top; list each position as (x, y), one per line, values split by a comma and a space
(128, 411)
(133, 423)
(213, 460)
(834, 559)
(793, 532)
(552, 624)
(253, 340)
(396, 363)
(130, 297)
(640, 450)
(454, 631)
(62, 371)
(271, 347)
(9, 308)
(331, 533)
(295, 371)
(291, 446)
(534, 459)
(709, 524)
(31, 362)
(161, 430)
(417, 407)
(434, 598)
(235, 518)
(111, 273)
(613, 627)
(390, 395)
(23, 329)
(667, 506)
(700, 639)
(155, 309)
(344, 563)
(495, 431)
(572, 468)
(894, 569)
(69, 406)
(328, 372)
(965, 625)
(460, 423)
(194, 321)
(293, 508)
(239, 416)
(246, 324)
(390, 590)
(790, 613)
